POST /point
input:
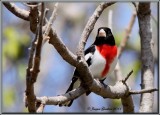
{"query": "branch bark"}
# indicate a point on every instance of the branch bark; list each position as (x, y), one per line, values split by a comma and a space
(147, 76)
(119, 90)
(21, 13)
(33, 67)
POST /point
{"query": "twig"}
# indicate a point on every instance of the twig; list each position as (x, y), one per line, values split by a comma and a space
(125, 79)
(49, 23)
(21, 13)
(143, 91)
(127, 34)
(35, 68)
(123, 43)
(51, 20)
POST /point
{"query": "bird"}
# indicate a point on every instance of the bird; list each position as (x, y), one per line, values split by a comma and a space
(101, 58)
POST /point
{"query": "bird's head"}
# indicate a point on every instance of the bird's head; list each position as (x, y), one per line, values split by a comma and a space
(104, 36)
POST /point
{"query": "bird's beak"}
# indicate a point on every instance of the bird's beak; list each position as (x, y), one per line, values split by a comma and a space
(102, 33)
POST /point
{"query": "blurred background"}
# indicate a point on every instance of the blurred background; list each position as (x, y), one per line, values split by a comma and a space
(55, 74)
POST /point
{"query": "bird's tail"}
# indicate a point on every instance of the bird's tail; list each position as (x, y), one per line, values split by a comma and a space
(74, 84)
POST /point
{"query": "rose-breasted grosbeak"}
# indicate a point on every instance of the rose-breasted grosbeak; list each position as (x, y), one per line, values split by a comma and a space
(101, 58)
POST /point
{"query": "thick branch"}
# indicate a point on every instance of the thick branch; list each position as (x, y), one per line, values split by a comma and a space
(21, 13)
(62, 98)
(33, 17)
(29, 93)
(147, 76)
(33, 67)
(114, 92)
(65, 53)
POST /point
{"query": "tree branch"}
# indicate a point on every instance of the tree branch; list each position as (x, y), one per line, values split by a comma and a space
(65, 53)
(147, 76)
(56, 100)
(51, 20)
(143, 91)
(33, 68)
(127, 34)
(34, 17)
(21, 13)
(125, 79)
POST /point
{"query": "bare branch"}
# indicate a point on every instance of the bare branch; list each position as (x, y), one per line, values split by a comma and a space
(32, 70)
(35, 68)
(65, 53)
(127, 34)
(21, 13)
(51, 20)
(143, 91)
(127, 77)
(33, 17)
(29, 93)
(128, 105)
(62, 98)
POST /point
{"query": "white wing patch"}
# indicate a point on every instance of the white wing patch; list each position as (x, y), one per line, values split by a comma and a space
(87, 56)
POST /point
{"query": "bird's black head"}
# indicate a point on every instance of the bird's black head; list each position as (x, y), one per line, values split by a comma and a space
(104, 36)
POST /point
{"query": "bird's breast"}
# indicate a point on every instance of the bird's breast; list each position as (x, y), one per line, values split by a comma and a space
(104, 61)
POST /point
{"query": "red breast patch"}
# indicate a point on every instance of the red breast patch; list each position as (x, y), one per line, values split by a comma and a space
(109, 53)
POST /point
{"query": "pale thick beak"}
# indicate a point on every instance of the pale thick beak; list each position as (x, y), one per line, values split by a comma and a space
(102, 33)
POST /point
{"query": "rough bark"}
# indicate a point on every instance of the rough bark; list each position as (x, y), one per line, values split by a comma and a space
(147, 76)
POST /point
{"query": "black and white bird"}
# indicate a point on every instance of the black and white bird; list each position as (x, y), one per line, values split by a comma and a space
(101, 58)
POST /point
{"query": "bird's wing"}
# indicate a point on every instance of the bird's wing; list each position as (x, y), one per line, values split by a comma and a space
(89, 53)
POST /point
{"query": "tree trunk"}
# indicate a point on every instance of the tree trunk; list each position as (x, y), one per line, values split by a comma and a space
(147, 76)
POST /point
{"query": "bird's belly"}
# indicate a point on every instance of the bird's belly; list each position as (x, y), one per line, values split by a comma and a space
(112, 66)
(98, 65)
